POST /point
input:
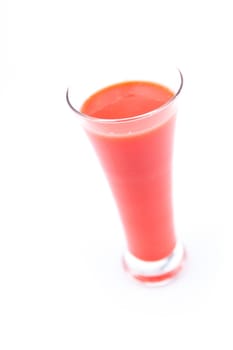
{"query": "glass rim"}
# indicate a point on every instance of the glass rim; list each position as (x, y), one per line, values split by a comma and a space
(127, 119)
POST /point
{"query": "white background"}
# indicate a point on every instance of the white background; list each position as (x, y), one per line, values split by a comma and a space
(61, 281)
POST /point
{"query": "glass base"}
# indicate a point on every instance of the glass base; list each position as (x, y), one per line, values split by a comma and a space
(155, 273)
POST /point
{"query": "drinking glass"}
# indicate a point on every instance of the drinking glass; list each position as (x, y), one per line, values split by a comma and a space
(136, 154)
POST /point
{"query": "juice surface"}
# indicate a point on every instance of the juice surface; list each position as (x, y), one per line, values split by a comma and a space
(138, 166)
(126, 99)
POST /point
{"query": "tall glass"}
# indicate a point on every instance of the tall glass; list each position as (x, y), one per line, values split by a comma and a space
(136, 155)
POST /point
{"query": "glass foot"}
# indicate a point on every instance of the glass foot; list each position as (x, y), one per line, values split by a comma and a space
(155, 273)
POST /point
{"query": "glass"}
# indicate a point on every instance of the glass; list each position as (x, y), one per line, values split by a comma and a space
(136, 155)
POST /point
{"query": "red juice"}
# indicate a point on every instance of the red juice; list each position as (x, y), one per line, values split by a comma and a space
(138, 165)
